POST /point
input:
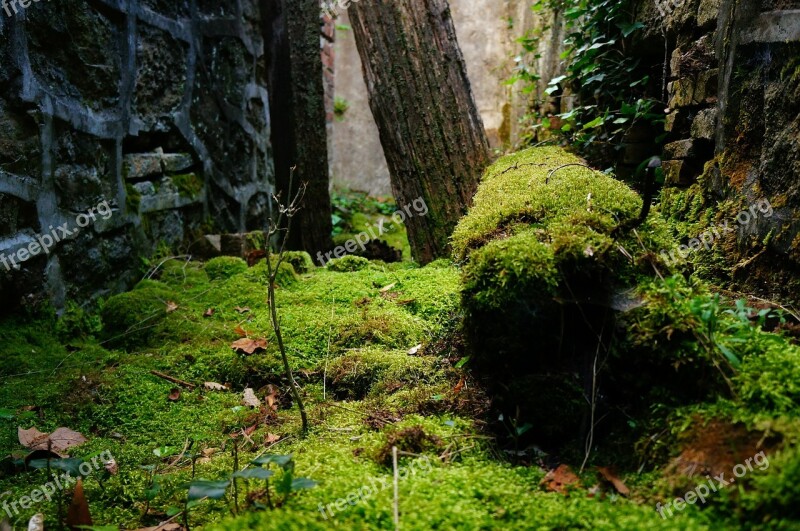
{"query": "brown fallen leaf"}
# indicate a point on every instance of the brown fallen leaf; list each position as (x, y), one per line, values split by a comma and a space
(241, 332)
(171, 306)
(174, 394)
(249, 346)
(388, 288)
(249, 431)
(241, 310)
(250, 398)
(460, 386)
(78, 513)
(213, 386)
(111, 467)
(612, 478)
(57, 442)
(209, 313)
(272, 438)
(559, 479)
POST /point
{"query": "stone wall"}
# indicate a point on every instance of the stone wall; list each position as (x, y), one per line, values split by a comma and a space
(156, 108)
(734, 126)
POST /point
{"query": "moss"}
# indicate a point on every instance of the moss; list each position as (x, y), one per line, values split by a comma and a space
(357, 373)
(285, 277)
(348, 264)
(224, 267)
(132, 199)
(178, 273)
(301, 261)
(189, 185)
(129, 318)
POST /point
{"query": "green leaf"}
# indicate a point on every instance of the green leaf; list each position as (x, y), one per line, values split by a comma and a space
(463, 361)
(7, 414)
(597, 122)
(70, 465)
(729, 355)
(202, 488)
(283, 461)
(627, 29)
(165, 451)
(557, 80)
(303, 484)
(254, 473)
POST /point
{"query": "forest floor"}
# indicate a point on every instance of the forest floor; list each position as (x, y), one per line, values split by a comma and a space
(378, 355)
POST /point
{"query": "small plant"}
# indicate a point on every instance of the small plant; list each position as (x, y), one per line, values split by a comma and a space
(340, 108)
(274, 495)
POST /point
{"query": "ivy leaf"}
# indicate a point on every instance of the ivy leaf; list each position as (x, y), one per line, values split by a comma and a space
(7, 414)
(254, 473)
(303, 483)
(283, 461)
(627, 29)
(597, 122)
(202, 488)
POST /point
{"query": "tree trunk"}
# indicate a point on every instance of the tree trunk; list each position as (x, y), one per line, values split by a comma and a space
(422, 101)
(297, 111)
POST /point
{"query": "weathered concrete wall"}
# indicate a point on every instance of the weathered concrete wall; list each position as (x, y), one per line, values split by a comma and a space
(155, 107)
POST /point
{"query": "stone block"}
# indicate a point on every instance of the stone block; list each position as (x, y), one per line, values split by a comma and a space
(707, 13)
(679, 172)
(141, 165)
(175, 162)
(704, 124)
(694, 90)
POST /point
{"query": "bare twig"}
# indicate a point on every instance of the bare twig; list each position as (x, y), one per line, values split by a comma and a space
(396, 489)
(174, 380)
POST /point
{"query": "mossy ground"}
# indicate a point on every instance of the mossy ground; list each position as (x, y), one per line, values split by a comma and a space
(349, 335)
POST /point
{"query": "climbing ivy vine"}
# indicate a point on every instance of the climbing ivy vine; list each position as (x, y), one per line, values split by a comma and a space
(605, 91)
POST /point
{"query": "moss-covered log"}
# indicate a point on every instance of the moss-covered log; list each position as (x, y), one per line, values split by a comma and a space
(543, 265)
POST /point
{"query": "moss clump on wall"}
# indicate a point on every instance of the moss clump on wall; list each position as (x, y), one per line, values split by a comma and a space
(224, 267)
(189, 185)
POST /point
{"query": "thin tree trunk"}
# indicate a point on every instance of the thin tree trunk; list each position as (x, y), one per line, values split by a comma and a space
(297, 110)
(421, 99)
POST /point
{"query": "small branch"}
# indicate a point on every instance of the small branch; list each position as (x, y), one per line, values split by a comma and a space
(174, 380)
(553, 171)
(396, 489)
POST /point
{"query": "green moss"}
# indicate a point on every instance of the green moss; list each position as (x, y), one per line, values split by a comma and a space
(189, 185)
(286, 275)
(178, 273)
(132, 199)
(224, 267)
(300, 260)
(348, 264)
(129, 318)
(360, 372)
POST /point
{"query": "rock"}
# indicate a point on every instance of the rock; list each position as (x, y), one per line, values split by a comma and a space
(704, 124)
(688, 149)
(707, 13)
(141, 165)
(176, 162)
(679, 172)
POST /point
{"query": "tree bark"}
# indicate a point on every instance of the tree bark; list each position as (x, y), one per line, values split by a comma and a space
(297, 111)
(421, 98)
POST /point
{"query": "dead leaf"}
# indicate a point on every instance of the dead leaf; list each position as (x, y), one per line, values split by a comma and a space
(272, 438)
(612, 478)
(249, 346)
(249, 431)
(57, 442)
(388, 288)
(250, 398)
(241, 310)
(213, 386)
(241, 332)
(208, 452)
(171, 306)
(209, 313)
(36, 523)
(174, 394)
(78, 512)
(413, 351)
(460, 386)
(112, 467)
(559, 479)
